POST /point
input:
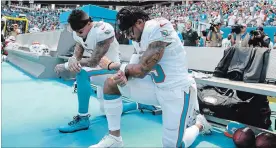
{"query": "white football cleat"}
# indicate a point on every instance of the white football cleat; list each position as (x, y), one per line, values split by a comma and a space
(108, 141)
(207, 127)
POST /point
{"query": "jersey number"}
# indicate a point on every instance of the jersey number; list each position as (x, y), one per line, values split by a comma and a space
(157, 74)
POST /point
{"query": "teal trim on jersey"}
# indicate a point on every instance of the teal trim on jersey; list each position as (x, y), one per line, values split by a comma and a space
(180, 142)
(83, 91)
(100, 72)
(160, 77)
(111, 97)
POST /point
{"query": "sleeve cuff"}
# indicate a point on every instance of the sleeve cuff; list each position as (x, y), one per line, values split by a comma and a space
(66, 65)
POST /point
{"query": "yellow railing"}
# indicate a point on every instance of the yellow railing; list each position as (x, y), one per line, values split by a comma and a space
(16, 19)
(272, 99)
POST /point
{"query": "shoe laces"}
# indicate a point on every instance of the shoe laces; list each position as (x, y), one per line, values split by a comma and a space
(76, 119)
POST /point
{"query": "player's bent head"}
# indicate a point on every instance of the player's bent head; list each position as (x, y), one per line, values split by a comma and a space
(78, 20)
(131, 21)
(128, 16)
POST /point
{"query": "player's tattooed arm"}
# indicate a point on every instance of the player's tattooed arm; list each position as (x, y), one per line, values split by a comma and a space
(150, 57)
(116, 66)
(78, 51)
(100, 50)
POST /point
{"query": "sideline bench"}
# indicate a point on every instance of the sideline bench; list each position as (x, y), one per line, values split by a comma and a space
(257, 88)
(198, 61)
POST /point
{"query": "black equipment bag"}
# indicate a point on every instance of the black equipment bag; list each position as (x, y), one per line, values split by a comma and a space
(233, 105)
(257, 112)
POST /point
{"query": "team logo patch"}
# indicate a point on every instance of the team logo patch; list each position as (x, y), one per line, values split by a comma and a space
(107, 32)
(165, 33)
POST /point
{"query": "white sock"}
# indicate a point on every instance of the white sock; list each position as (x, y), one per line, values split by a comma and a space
(113, 111)
(83, 114)
(117, 138)
(190, 135)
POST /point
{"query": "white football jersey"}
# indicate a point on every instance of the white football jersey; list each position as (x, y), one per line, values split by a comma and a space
(99, 32)
(171, 70)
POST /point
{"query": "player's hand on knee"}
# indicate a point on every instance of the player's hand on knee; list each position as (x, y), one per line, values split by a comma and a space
(104, 62)
(120, 78)
(74, 65)
(60, 68)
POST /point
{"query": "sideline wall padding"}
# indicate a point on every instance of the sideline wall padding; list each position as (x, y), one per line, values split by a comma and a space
(59, 43)
(37, 66)
(199, 58)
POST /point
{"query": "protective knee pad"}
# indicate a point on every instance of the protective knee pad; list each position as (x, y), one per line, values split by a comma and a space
(113, 110)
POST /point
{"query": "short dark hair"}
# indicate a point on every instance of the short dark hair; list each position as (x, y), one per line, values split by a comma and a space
(76, 20)
(128, 16)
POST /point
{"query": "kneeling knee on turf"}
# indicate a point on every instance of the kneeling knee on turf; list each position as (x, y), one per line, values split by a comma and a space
(110, 87)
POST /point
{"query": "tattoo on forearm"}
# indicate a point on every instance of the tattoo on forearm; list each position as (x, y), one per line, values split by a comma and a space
(78, 51)
(100, 50)
(150, 57)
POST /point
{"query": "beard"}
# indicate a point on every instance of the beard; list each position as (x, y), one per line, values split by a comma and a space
(139, 38)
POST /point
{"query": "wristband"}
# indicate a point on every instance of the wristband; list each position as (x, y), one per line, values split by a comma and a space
(66, 65)
(123, 67)
(109, 65)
